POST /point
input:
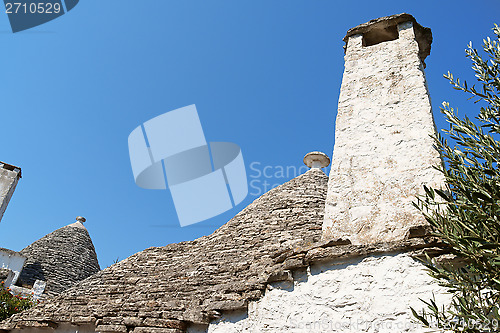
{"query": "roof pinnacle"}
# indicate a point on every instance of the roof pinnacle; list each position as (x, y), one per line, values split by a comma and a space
(81, 219)
(316, 159)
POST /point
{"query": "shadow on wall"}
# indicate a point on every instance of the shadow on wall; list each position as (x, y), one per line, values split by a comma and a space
(31, 272)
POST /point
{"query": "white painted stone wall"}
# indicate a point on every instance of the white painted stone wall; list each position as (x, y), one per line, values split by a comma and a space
(373, 294)
(13, 261)
(383, 153)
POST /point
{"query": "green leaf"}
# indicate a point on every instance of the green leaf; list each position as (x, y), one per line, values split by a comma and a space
(469, 220)
(419, 317)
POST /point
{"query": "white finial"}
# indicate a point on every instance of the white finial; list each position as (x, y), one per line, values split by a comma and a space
(81, 219)
(316, 159)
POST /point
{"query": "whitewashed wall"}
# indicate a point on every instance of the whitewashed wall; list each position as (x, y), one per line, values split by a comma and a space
(13, 261)
(373, 294)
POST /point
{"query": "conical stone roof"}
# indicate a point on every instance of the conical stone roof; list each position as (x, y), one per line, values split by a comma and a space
(61, 259)
(164, 288)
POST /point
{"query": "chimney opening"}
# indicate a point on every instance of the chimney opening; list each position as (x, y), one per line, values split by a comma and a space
(379, 35)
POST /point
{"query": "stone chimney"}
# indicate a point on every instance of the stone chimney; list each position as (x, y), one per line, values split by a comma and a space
(9, 176)
(383, 152)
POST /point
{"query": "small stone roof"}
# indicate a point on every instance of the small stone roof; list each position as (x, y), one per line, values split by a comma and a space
(422, 34)
(10, 252)
(61, 258)
(162, 289)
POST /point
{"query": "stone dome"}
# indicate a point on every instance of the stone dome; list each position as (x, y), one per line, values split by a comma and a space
(61, 259)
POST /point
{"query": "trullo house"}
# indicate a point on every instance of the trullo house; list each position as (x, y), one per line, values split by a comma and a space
(316, 254)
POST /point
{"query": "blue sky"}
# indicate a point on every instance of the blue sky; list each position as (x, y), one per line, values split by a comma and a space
(263, 74)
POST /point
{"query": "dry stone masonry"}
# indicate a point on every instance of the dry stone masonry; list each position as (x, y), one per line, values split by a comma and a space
(50, 265)
(383, 152)
(167, 288)
(199, 286)
(60, 259)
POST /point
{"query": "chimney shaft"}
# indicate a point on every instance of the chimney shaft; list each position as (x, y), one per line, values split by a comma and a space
(383, 152)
